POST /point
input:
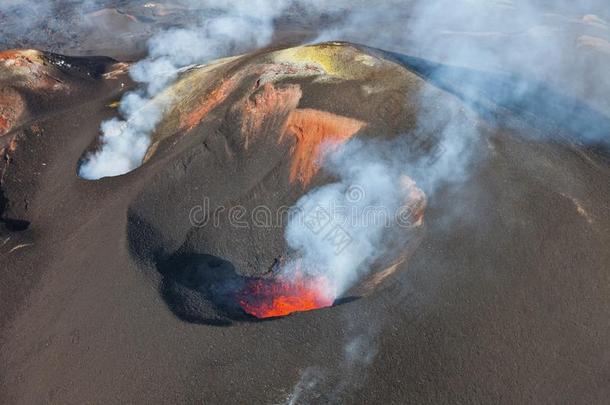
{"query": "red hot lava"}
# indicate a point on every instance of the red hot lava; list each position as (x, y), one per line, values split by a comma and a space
(281, 296)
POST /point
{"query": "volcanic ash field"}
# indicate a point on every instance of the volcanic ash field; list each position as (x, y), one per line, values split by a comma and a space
(250, 209)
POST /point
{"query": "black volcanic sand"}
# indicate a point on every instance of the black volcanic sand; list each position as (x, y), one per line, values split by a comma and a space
(106, 294)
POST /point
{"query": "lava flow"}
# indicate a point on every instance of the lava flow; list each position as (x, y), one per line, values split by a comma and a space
(281, 296)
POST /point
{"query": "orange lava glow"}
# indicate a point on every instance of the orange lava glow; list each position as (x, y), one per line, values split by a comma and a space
(269, 298)
(312, 128)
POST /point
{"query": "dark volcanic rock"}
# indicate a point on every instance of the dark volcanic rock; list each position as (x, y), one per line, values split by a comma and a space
(34, 85)
(116, 293)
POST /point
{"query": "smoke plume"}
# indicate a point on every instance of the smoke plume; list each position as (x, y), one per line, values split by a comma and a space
(365, 209)
(239, 26)
(543, 61)
(561, 43)
(523, 57)
(554, 44)
(522, 40)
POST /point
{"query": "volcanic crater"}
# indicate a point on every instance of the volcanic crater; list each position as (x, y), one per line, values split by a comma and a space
(184, 275)
(249, 132)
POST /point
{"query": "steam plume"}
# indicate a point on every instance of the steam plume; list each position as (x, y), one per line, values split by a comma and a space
(448, 32)
(517, 38)
(565, 44)
(239, 26)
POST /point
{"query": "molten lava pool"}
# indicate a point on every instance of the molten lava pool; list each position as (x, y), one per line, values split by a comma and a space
(281, 296)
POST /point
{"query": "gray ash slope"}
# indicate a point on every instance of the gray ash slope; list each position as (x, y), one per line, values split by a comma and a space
(506, 302)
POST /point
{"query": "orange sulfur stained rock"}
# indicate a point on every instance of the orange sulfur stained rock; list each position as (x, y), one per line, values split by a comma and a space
(268, 109)
(5, 125)
(12, 108)
(31, 69)
(273, 110)
(264, 102)
(217, 96)
(313, 128)
(10, 54)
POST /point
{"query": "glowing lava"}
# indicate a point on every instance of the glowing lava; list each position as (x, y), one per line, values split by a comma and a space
(281, 296)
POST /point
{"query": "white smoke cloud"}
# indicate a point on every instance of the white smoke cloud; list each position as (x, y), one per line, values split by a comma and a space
(560, 42)
(523, 38)
(309, 382)
(239, 26)
(233, 28)
(341, 263)
(351, 235)
(549, 41)
(520, 37)
(320, 385)
(30, 11)
(505, 35)
(529, 38)
(364, 210)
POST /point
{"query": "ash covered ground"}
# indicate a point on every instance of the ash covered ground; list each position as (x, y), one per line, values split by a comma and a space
(171, 172)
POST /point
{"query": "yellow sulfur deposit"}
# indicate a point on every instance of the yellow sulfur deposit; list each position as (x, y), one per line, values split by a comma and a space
(334, 58)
